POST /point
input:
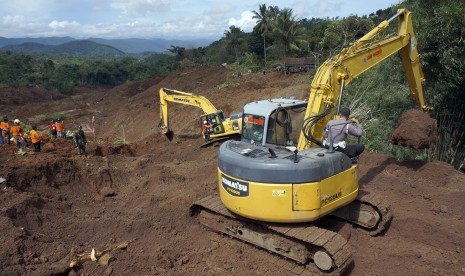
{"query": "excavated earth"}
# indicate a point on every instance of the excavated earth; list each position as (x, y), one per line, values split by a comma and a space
(55, 205)
(415, 129)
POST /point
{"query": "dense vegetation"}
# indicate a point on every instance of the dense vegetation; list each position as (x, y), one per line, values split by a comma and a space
(379, 96)
(84, 48)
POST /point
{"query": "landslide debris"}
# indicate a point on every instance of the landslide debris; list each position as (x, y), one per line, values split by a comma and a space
(415, 129)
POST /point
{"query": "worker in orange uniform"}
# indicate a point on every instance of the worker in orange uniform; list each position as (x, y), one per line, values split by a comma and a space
(17, 133)
(206, 129)
(5, 130)
(53, 129)
(35, 138)
(60, 127)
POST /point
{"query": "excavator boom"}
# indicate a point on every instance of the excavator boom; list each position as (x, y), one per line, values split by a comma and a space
(338, 71)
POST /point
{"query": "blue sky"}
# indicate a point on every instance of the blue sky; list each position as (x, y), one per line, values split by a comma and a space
(169, 19)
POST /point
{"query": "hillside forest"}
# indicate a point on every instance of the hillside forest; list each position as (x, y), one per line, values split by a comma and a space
(378, 97)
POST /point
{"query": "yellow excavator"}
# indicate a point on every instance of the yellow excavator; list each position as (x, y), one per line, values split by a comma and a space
(214, 125)
(279, 180)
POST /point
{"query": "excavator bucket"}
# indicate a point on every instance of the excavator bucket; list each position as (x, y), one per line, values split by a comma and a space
(169, 134)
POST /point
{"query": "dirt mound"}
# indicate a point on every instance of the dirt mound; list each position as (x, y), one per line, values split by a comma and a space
(55, 205)
(24, 94)
(125, 150)
(415, 129)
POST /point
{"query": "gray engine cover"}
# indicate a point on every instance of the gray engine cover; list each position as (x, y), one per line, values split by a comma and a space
(254, 163)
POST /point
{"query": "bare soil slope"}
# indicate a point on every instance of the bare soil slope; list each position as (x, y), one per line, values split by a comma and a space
(55, 205)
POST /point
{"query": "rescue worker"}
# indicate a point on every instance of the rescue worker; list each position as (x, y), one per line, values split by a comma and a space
(80, 141)
(17, 133)
(206, 129)
(35, 138)
(337, 131)
(60, 128)
(5, 130)
(53, 129)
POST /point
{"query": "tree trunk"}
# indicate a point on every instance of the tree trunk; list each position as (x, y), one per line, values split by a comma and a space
(264, 49)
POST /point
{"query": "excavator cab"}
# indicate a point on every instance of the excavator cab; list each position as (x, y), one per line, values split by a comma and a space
(273, 122)
(215, 120)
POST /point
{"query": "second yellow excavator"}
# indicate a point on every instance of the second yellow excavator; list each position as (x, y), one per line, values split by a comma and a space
(279, 180)
(214, 125)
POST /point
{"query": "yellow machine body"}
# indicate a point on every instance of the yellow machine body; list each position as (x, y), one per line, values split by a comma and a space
(299, 202)
(302, 201)
(220, 126)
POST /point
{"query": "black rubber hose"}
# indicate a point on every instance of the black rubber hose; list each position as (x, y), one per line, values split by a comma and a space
(310, 122)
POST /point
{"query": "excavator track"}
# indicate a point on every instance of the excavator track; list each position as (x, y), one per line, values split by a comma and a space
(369, 211)
(216, 141)
(307, 249)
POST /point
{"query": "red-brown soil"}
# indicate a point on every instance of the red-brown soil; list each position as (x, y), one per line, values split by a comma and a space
(415, 129)
(56, 204)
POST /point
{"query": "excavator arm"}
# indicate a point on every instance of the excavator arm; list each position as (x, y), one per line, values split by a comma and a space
(170, 95)
(338, 71)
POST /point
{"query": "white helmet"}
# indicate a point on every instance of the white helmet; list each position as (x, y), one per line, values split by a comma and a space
(16, 121)
(205, 122)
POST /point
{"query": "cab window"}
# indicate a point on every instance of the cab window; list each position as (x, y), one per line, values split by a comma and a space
(252, 127)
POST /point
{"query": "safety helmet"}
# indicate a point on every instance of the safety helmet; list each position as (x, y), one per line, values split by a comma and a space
(205, 122)
(16, 121)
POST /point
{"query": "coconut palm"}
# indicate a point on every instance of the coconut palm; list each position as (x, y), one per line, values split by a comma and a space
(287, 33)
(264, 17)
(234, 38)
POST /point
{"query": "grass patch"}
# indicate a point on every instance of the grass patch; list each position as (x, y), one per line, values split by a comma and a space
(228, 85)
(118, 141)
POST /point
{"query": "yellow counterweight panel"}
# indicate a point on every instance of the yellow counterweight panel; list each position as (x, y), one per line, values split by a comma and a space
(288, 202)
(336, 191)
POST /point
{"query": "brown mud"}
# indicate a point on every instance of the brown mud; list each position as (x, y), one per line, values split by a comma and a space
(415, 129)
(56, 204)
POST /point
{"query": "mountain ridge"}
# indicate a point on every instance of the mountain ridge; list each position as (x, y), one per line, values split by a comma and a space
(128, 45)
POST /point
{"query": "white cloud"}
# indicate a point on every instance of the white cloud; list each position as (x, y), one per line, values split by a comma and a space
(319, 8)
(246, 22)
(142, 7)
(12, 20)
(181, 19)
(56, 25)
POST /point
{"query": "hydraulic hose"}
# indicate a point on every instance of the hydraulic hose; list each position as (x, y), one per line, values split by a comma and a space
(311, 121)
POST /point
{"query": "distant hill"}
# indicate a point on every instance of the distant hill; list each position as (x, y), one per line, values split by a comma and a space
(41, 40)
(130, 45)
(138, 45)
(85, 48)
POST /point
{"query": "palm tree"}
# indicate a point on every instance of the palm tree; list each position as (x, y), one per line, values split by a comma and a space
(264, 17)
(288, 34)
(234, 39)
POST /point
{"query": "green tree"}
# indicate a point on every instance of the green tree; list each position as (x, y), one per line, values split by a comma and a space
(288, 35)
(264, 18)
(441, 39)
(234, 39)
(340, 33)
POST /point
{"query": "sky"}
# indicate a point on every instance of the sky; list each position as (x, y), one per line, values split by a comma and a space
(167, 19)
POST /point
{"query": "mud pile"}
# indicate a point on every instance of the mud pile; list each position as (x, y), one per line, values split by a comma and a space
(415, 129)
